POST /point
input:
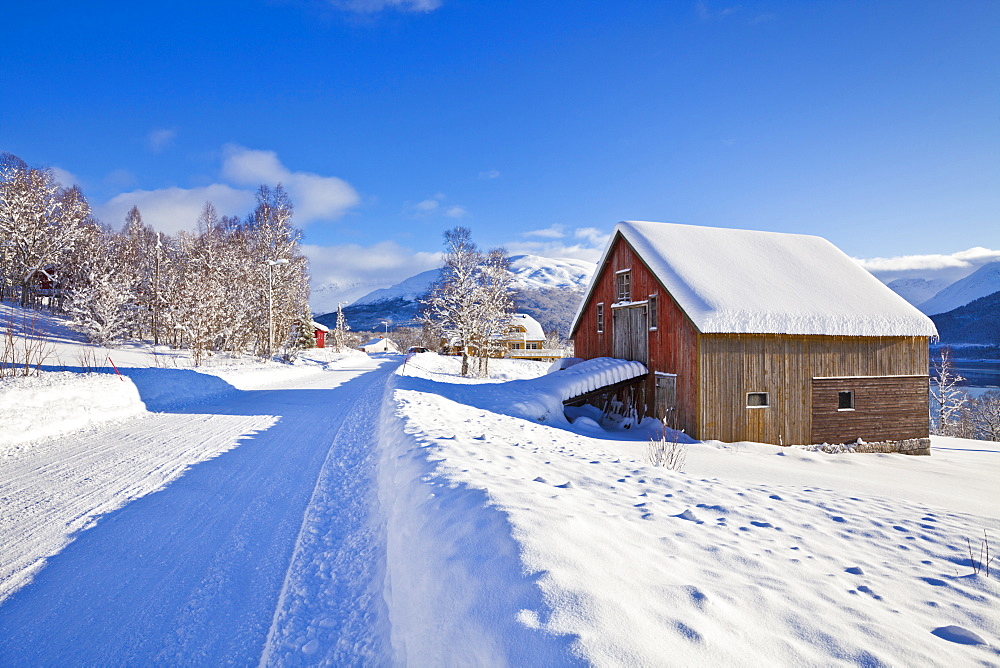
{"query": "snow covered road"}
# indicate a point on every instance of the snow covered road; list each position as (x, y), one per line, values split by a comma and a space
(230, 562)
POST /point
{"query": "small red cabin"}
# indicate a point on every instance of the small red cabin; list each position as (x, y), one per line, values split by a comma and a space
(319, 331)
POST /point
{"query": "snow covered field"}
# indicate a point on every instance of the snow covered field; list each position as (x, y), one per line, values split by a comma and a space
(336, 513)
(517, 542)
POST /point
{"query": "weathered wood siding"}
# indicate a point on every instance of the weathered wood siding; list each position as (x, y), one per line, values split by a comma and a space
(731, 365)
(886, 408)
(672, 345)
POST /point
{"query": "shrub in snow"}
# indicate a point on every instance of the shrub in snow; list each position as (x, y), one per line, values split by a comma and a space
(667, 450)
(25, 347)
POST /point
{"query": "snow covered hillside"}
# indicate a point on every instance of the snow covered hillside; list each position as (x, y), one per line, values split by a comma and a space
(553, 542)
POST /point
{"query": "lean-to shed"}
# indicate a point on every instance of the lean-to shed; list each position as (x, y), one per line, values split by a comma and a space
(760, 336)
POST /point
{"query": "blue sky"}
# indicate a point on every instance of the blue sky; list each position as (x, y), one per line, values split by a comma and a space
(538, 124)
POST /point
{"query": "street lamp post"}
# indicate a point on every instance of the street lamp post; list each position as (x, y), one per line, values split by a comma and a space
(270, 303)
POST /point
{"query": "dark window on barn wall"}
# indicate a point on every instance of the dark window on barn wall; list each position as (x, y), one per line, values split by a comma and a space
(845, 401)
(757, 400)
(652, 312)
(600, 318)
(624, 280)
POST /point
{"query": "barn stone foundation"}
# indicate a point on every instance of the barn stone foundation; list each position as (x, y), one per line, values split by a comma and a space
(910, 446)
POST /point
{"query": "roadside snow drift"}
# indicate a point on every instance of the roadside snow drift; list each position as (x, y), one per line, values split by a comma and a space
(53, 403)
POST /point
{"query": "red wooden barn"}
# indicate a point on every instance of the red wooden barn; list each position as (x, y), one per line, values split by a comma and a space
(759, 336)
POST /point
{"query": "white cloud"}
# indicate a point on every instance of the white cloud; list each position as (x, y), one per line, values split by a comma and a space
(589, 243)
(946, 267)
(490, 174)
(350, 271)
(120, 179)
(173, 209)
(435, 205)
(706, 13)
(315, 197)
(160, 139)
(552, 232)
(426, 206)
(64, 178)
(592, 236)
(374, 6)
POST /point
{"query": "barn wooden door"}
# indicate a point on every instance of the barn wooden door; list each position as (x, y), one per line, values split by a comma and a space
(631, 333)
(666, 398)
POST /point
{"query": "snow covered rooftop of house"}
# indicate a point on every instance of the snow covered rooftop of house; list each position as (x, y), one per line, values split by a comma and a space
(533, 329)
(377, 341)
(749, 282)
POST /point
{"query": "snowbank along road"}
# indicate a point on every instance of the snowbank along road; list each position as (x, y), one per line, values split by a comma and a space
(231, 562)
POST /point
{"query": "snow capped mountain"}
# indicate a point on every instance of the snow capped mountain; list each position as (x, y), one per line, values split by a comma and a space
(916, 290)
(408, 290)
(534, 272)
(535, 279)
(531, 272)
(982, 282)
(324, 298)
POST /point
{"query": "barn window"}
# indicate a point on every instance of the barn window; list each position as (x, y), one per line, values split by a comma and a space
(600, 318)
(625, 285)
(652, 312)
(845, 400)
(757, 400)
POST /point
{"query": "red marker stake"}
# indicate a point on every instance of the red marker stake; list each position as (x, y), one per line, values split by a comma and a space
(116, 369)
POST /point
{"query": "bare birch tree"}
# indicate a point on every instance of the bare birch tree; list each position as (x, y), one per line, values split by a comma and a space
(948, 398)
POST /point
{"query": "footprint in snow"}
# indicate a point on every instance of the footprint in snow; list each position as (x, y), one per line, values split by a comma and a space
(540, 479)
(689, 516)
(565, 485)
(854, 570)
(762, 525)
(959, 635)
(866, 589)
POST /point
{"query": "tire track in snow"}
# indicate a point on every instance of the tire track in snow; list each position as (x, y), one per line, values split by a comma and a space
(331, 610)
(54, 491)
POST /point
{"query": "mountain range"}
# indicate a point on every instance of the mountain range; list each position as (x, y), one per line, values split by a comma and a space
(547, 289)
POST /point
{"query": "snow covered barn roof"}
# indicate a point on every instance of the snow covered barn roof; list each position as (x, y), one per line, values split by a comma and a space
(749, 282)
(532, 328)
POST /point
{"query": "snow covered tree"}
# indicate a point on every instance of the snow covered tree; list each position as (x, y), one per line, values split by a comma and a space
(40, 221)
(283, 288)
(451, 304)
(471, 304)
(102, 302)
(341, 329)
(948, 399)
(496, 304)
(140, 267)
(303, 336)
